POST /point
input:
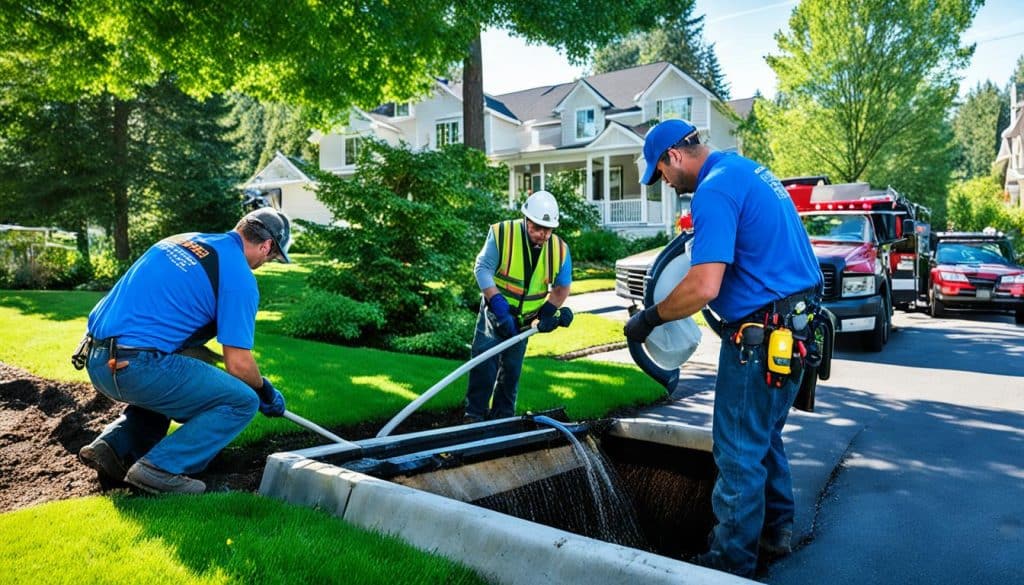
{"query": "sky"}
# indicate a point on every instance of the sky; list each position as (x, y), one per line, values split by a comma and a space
(743, 32)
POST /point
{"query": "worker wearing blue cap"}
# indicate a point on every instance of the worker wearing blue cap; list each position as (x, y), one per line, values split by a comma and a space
(750, 256)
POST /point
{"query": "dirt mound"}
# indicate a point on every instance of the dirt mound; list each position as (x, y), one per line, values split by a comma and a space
(43, 424)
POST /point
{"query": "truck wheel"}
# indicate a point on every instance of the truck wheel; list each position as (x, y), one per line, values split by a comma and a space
(879, 336)
(935, 306)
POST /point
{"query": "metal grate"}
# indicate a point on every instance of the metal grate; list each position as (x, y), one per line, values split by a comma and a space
(831, 282)
(632, 280)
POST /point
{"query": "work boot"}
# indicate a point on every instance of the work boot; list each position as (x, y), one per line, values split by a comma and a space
(154, 480)
(776, 545)
(100, 456)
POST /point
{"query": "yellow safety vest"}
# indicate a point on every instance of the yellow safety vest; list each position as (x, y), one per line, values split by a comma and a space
(525, 286)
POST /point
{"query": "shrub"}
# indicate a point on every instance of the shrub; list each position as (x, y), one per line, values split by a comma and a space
(641, 244)
(62, 268)
(327, 316)
(597, 246)
(450, 337)
(412, 220)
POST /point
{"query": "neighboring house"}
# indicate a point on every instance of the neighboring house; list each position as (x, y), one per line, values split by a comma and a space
(593, 127)
(1010, 159)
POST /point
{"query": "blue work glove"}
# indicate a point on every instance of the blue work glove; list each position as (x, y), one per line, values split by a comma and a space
(547, 319)
(506, 322)
(271, 401)
(642, 323)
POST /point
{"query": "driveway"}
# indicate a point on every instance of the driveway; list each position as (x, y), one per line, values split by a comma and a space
(911, 470)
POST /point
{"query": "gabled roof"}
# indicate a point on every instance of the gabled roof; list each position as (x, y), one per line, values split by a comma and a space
(281, 170)
(583, 85)
(621, 89)
(672, 68)
(743, 106)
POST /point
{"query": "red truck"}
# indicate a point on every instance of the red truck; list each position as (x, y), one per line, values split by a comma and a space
(873, 249)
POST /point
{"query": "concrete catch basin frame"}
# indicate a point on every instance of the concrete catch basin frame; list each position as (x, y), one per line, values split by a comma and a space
(445, 492)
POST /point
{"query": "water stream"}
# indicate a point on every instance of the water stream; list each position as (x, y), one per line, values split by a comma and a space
(615, 516)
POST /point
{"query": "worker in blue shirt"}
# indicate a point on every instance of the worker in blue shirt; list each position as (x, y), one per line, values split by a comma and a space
(179, 294)
(524, 272)
(751, 260)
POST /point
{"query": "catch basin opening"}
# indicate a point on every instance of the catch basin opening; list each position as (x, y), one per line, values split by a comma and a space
(638, 493)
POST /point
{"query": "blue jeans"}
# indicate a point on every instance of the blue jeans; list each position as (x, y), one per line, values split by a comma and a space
(496, 378)
(754, 489)
(212, 405)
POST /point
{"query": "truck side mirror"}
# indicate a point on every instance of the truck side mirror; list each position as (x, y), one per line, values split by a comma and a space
(908, 227)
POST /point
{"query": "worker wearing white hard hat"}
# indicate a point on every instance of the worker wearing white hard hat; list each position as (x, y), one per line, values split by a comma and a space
(524, 272)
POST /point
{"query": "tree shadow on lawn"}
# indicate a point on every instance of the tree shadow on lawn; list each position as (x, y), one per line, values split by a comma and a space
(58, 305)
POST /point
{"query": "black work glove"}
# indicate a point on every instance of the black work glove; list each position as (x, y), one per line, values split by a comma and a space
(271, 401)
(506, 323)
(547, 319)
(641, 324)
(565, 316)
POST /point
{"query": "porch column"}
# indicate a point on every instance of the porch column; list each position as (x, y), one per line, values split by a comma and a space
(643, 203)
(543, 187)
(589, 179)
(606, 187)
(668, 208)
(511, 186)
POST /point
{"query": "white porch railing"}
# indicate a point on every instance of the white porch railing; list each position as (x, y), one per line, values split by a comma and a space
(628, 211)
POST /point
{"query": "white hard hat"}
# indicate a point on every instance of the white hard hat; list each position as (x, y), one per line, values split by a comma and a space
(542, 209)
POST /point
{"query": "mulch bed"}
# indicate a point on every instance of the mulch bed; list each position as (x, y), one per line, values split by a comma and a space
(43, 424)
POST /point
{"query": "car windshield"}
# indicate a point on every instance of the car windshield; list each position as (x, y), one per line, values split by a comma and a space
(972, 253)
(843, 228)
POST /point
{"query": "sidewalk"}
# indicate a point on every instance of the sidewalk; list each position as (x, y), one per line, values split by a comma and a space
(815, 443)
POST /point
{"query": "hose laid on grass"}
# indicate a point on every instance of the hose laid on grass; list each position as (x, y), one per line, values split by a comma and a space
(411, 408)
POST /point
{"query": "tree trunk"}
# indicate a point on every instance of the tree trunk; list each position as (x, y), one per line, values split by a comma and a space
(122, 249)
(473, 97)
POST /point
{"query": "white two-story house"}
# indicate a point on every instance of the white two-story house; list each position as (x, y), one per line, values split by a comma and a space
(593, 127)
(1010, 159)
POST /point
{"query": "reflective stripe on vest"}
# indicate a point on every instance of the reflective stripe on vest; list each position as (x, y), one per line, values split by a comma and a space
(514, 269)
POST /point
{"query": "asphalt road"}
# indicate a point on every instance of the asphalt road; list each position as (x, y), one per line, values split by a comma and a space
(911, 470)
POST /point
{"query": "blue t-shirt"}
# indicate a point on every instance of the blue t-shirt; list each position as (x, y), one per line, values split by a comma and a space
(743, 216)
(166, 296)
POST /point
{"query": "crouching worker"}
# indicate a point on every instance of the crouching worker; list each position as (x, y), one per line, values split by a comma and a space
(524, 273)
(182, 292)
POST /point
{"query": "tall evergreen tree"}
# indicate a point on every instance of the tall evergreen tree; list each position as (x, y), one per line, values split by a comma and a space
(678, 39)
(977, 126)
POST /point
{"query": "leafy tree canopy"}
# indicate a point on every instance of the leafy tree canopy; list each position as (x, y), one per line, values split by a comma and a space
(857, 77)
(326, 55)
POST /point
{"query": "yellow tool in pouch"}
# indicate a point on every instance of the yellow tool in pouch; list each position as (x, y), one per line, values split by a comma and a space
(780, 351)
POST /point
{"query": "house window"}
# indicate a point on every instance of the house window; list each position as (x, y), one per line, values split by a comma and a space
(680, 107)
(352, 146)
(448, 132)
(585, 126)
(403, 110)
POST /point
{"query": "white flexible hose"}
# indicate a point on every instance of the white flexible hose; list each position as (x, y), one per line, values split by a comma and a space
(316, 428)
(411, 408)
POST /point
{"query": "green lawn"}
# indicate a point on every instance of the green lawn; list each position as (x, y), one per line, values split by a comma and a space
(211, 539)
(242, 538)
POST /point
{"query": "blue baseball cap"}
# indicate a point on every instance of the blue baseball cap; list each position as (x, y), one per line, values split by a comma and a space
(661, 138)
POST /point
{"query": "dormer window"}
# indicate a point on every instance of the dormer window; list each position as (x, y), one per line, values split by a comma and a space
(678, 107)
(403, 110)
(586, 126)
(352, 146)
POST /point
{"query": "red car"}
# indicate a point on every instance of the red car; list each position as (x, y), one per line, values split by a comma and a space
(975, 271)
